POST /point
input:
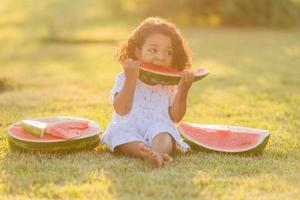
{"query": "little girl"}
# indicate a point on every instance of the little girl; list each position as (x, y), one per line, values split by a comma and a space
(143, 124)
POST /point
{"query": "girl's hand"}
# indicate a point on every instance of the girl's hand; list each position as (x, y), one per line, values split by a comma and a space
(187, 78)
(131, 68)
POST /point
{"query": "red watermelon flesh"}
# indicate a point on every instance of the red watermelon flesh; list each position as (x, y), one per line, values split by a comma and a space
(223, 138)
(159, 69)
(19, 132)
(67, 130)
(171, 71)
(200, 71)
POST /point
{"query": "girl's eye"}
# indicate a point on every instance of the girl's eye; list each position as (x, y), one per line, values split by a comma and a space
(169, 53)
(152, 50)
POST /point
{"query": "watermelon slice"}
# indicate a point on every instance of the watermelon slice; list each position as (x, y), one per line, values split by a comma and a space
(87, 135)
(153, 75)
(222, 138)
(66, 129)
(33, 127)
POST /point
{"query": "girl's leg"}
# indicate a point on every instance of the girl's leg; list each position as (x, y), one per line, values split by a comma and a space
(140, 150)
(130, 149)
(163, 144)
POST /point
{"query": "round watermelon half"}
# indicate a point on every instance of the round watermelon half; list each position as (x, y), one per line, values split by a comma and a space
(89, 138)
(226, 139)
(153, 75)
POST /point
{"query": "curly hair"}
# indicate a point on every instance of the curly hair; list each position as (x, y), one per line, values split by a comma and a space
(181, 57)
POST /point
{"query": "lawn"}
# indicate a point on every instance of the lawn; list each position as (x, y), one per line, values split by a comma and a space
(254, 82)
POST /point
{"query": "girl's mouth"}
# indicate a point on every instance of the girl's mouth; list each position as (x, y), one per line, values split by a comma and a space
(156, 65)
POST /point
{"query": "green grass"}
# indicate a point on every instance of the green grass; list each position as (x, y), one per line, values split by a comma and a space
(254, 81)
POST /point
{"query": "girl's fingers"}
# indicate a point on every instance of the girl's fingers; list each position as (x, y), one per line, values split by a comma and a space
(137, 63)
(192, 77)
(187, 76)
(130, 63)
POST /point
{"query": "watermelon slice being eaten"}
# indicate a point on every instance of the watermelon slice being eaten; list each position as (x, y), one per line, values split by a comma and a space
(222, 138)
(153, 75)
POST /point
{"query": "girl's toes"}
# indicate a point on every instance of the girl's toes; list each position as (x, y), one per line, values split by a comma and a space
(142, 147)
(148, 150)
(167, 159)
(153, 154)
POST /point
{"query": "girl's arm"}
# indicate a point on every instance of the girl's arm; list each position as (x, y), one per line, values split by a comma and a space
(123, 100)
(178, 108)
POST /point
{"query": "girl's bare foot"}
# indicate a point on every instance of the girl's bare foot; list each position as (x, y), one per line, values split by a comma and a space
(167, 159)
(155, 160)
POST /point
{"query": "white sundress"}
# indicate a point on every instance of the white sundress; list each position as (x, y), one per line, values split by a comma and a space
(148, 116)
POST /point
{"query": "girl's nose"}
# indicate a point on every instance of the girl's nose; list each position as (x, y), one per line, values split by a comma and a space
(160, 56)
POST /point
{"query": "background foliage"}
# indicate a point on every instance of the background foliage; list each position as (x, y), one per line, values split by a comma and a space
(271, 13)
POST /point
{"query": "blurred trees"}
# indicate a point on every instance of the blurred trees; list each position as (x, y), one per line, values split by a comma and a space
(54, 19)
(270, 13)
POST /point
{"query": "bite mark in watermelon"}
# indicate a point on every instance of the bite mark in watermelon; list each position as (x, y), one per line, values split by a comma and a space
(221, 138)
(153, 75)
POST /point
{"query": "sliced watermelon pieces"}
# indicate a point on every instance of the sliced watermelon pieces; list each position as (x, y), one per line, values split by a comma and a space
(153, 75)
(66, 129)
(226, 139)
(88, 131)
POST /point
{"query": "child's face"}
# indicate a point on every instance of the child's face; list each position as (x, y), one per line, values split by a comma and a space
(157, 50)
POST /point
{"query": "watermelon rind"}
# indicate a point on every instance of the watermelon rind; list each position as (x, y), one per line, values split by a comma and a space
(154, 78)
(88, 143)
(254, 150)
(85, 142)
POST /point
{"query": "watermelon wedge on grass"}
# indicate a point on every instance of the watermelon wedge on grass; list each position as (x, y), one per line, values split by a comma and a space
(153, 75)
(89, 136)
(225, 139)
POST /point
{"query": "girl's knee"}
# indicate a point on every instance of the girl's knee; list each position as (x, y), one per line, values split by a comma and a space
(164, 135)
